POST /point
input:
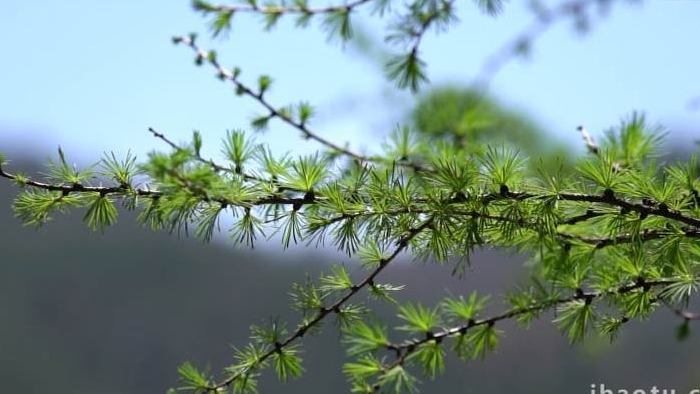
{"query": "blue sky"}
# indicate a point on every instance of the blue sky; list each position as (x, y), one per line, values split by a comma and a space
(93, 76)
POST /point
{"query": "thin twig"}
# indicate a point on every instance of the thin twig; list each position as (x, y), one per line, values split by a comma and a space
(325, 311)
(607, 198)
(79, 187)
(210, 162)
(406, 348)
(218, 167)
(282, 9)
(273, 112)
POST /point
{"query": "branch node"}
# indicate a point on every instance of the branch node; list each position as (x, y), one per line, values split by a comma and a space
(608, 194)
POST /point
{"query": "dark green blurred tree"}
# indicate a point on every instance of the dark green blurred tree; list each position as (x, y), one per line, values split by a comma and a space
(471, 118)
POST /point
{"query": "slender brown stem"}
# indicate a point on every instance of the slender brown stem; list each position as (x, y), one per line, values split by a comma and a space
(218, 167)
(402, 244)
(273, 112)
(406, 348)
(78, 187)
(281, 9)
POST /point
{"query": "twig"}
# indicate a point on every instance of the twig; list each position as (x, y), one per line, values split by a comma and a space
(218, 167)
(602, 242)
(78, 187)
(407, 347)
(196, 155)
(607, 198)
(244, 89)
(588, 139)
(281, 9)
(130, 190)
(324, 312)
(259, 97)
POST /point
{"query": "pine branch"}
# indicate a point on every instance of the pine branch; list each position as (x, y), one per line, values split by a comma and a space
(79, 187)
(218, 167)
(301, 8)
(597, 242)
(445, 8)
(210, 162)
(609, 198)
(273, 200)
(648, 235)
(402, 244)
(130, 190)
(408, 69)
(405, 349)
(273, 112)
(260, 98)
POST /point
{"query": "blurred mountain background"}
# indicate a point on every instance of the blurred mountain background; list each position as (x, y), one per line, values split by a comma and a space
(84, 312)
